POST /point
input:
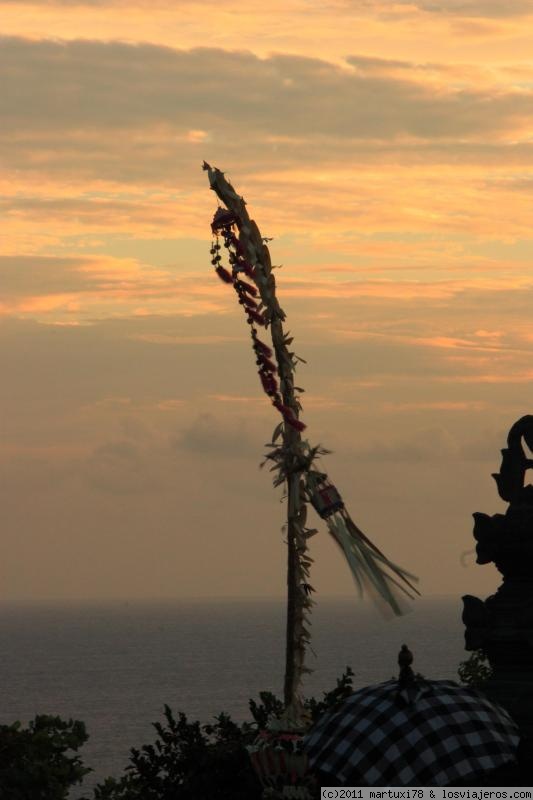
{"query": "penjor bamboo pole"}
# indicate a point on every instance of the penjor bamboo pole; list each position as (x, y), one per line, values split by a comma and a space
(372, 571)
(298, 601)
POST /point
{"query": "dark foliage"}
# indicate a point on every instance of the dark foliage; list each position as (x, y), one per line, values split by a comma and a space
(189, 761)
(476, 670)
(34, 761)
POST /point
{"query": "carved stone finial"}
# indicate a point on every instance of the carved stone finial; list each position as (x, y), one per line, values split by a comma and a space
(510, 478)
(405, 659)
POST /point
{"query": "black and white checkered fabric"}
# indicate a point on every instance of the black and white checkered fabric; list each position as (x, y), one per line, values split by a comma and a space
(441, 734)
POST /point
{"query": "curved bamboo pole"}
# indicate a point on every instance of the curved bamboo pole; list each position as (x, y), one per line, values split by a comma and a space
(293, 460)
(298, 600)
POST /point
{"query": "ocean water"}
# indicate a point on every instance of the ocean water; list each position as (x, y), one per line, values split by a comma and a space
(114, 666)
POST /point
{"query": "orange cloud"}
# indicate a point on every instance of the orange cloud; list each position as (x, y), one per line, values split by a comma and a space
(104, 286)
(439, 405)
(41, 305)
(449, 342)
(233, 398)
(166, 338)
(388, 29)
(501, 378)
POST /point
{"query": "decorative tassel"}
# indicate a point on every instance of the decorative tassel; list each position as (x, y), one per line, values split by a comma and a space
(247, 287)
(368, 568)
(267, 364)
(269, 382)
(222, 218)
(253, 315)
(224, 275)
(282, 408)
(264, 348)
(247, 269)
(247, 301)
(288, 416)
(295, 423)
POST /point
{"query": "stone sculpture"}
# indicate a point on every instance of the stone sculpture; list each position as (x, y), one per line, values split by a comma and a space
(502, 625)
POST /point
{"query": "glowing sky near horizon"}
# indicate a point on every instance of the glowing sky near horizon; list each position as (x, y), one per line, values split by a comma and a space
(388, 150)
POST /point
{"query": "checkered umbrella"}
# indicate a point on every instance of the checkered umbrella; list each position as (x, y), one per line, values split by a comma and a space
(426, 733)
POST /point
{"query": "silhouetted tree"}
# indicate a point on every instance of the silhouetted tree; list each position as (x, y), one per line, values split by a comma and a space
(476, 670)
(189, 761)
(35, 763)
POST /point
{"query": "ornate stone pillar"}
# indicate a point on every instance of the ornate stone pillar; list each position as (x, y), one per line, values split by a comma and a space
(502, 625)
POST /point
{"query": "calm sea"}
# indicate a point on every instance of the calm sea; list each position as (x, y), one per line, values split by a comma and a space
(114, 666)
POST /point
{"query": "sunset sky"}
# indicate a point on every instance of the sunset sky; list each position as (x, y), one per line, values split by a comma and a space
(387, 147)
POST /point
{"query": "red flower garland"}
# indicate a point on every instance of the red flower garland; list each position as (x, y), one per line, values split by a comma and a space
(223, 222)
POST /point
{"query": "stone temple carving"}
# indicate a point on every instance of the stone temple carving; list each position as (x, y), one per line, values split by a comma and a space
(502, 625)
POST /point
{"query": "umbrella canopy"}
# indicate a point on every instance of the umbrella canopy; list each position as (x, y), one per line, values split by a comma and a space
(413, 732)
